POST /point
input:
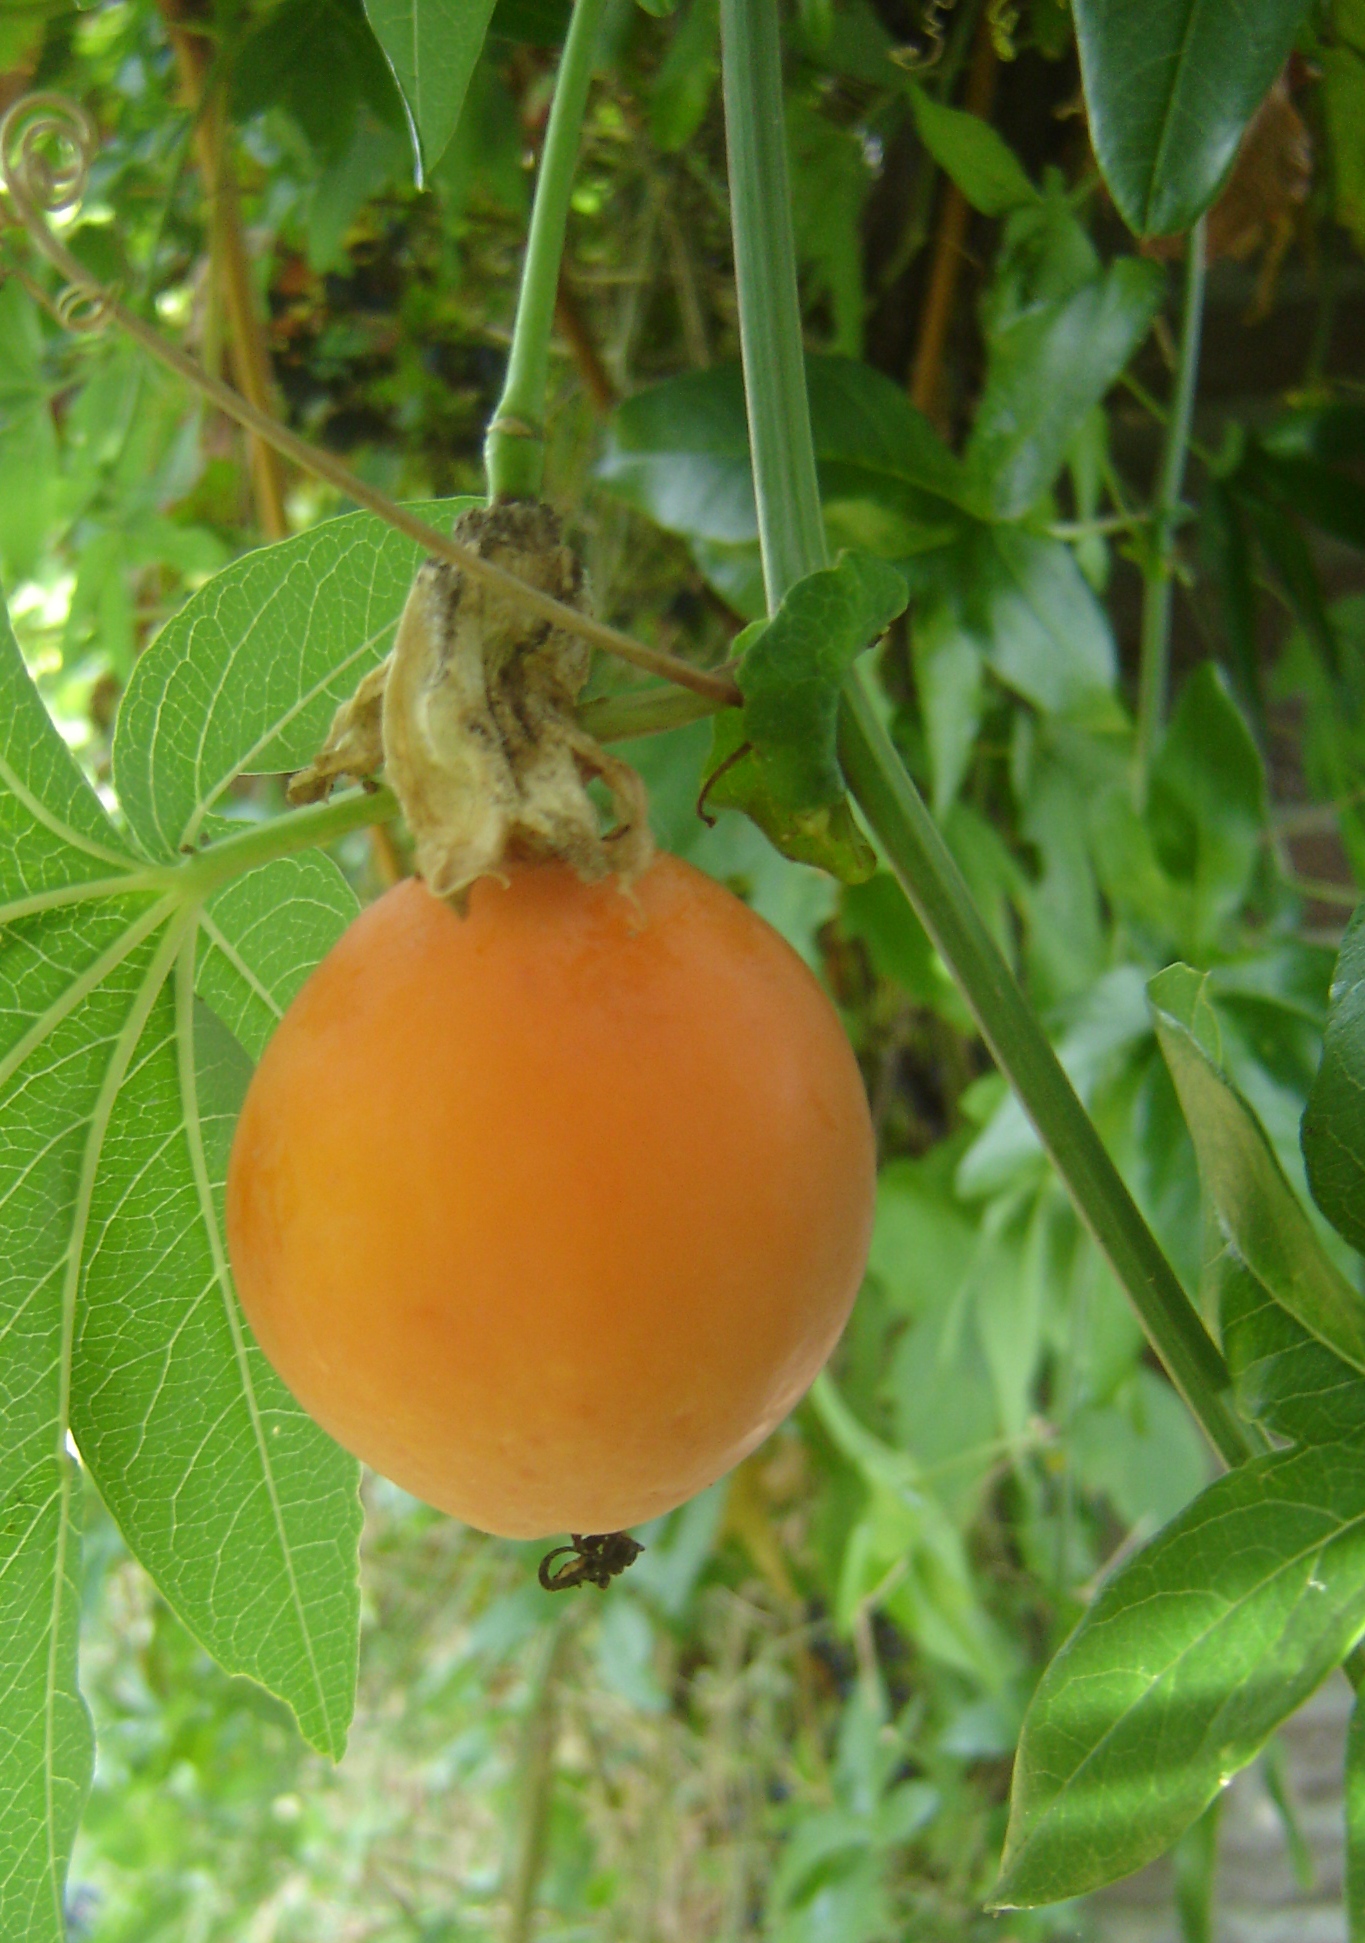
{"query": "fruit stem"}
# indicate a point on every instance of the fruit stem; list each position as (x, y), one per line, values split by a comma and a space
(514, 450)
(791, 533)
(261, 843)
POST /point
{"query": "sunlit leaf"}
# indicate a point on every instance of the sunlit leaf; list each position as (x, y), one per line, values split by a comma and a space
(979, 160)
(679, 452)
(1192, 1655)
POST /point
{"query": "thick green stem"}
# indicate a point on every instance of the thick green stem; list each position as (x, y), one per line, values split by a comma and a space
(514, 450)
(790, 526)
(931, 880)
(1154, 668)
(792, 535)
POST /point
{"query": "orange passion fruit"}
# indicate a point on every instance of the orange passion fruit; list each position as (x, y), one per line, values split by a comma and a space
(551, 1212)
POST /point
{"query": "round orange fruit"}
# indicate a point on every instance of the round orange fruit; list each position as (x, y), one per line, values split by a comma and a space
(551, 1212)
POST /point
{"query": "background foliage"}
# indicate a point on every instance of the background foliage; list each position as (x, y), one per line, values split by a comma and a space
(796, 1717)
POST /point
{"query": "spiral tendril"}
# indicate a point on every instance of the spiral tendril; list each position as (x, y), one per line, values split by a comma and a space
(919, 57)
(1002, 18)
(47, 143)
(82, 310)
(35, 126)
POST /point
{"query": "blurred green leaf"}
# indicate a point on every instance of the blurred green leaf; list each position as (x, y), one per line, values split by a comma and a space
(1334, 1122)
(1019, 600)
(1207, 806)
(830, 181)
(1170, 88)
(1343, 97)
(1191, 1656)
(979, 160)
(1196, 1869)
(877, 913)
(680, 453)
(1105, 1024)
(1048, 368)
(949, 686)
(1226, 550)
(432, 47)
(1327, 496)
(278, 64)
(905, 1544)
(687, 77)
(1257, 1211)
(1141, 1449)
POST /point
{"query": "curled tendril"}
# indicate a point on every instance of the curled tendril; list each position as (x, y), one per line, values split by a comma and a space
(918, 57)
(1003, 18)
(47, 143)
(82, 310)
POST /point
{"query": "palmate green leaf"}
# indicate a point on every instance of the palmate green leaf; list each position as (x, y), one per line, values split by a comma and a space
(1334, 1122)
(54, 840)
(432, 47)
(1258, 1214)
(1190, 1658)
(244, 1512)
(118, 1090)
(249, 964)
(247, 676)
(1170, 85)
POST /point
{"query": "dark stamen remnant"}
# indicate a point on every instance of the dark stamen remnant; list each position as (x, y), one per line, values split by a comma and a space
(598, 1558)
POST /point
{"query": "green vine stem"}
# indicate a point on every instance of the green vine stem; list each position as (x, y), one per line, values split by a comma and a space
(37, 187)
(792, 535)
(931, 880)
(1159, 568)
(791, 528)
(514, 450)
